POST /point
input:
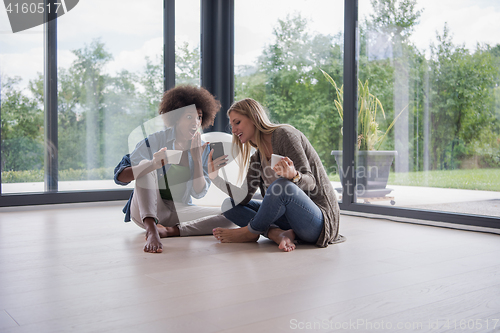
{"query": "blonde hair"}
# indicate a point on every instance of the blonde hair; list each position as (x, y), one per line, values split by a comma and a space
(252, 109)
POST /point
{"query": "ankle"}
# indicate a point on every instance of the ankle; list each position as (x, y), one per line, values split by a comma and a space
(173, 231)
(149, 224)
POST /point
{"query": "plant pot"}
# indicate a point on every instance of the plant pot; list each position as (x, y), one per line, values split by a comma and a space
(372, 172)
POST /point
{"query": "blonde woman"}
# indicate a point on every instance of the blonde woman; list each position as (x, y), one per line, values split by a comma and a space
(298, 199)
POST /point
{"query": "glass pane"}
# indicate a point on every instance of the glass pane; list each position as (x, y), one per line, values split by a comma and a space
(279, 63)
(22, 145)
(187, 42)
(435, 73)
(110, 79)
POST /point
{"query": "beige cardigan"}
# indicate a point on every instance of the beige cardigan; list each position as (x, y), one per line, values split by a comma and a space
(290, 142)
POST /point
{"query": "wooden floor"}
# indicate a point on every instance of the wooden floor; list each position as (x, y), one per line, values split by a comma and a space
(79, 268)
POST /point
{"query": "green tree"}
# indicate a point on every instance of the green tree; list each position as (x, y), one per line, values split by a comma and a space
(90, 84)
(287, 79)
(22, 128)
(391, 64)
(249, 82)
(96, 111)
(124, 110)
(462, 100)
(152, 81)
(395, 18)
(187, 65)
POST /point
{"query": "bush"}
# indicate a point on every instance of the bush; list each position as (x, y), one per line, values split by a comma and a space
(24, 176)
(31, 176)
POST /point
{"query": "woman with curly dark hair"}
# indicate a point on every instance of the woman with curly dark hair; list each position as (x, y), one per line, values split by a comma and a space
(161, 202)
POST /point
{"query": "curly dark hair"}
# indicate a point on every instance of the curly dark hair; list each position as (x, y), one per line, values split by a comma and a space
(185, 95)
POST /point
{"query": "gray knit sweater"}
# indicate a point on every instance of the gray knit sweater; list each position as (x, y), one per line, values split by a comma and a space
(290, 142)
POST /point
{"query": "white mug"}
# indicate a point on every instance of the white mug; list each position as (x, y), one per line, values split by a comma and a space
(173, 156)
(275, 159)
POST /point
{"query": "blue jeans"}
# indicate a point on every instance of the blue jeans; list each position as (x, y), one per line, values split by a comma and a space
(284, 206)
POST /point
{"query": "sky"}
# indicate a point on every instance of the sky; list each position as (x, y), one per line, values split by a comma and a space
(132, 30)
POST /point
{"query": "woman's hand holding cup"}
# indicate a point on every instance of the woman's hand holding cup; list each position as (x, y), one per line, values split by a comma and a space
(285, 168)
(159, 158)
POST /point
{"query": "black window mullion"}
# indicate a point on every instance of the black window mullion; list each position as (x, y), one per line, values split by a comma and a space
(217, 55)
(168, 44)
(50, 100)
(350, 103)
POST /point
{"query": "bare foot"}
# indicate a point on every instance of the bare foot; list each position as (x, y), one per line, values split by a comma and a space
(168, 231)
(284, 238)
(153, 243)
(239, 235)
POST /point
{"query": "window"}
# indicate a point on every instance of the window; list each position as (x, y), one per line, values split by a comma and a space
(22, 109)
(187, 42)
(439, 92)
(434, 71)
(280, 53)
(110, 80)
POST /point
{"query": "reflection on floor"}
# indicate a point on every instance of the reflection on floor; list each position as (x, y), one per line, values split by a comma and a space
(79, 268)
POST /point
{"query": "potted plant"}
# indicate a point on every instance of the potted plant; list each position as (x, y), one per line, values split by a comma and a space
(373, 165)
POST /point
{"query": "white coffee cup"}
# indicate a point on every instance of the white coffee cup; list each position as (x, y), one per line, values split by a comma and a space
(275, 159)
(173, 156)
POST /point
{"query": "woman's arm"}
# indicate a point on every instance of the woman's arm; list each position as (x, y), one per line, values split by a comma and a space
(201, 176)
(291, 145)
(124, 164)
(197, 149)
(126, 175)
(125, 172)
(241, 195)
(131, 173)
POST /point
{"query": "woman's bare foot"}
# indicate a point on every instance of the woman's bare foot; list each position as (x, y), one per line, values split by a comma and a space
(165, 232)
(153, 243)
(284, 238)
(239, 235)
